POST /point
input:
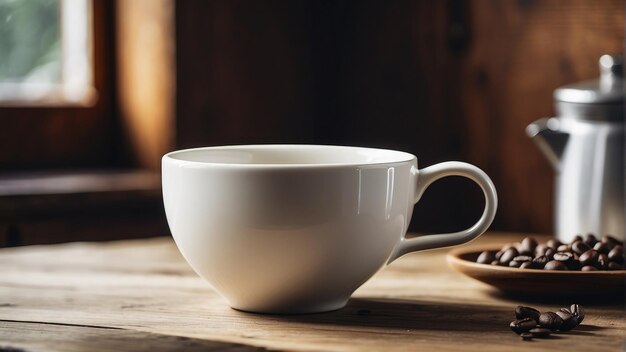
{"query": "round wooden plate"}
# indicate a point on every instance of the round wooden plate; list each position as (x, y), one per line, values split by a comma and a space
(537, 282)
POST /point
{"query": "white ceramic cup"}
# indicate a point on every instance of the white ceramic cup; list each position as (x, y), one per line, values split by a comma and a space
(298, 228)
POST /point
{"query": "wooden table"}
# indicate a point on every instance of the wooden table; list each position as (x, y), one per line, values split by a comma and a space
(140, 295)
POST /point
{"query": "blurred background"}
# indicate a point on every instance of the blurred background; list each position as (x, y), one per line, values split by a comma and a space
(93, 92)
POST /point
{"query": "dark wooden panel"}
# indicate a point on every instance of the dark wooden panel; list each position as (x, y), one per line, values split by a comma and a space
(80, 206)
(445, 80)
(520, 52)
(356, 73)
(243, 68)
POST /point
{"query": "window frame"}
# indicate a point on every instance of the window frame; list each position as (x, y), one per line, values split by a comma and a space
(76, 45)
(36, 136)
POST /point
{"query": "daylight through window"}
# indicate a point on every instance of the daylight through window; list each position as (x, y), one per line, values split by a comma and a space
(46, 52)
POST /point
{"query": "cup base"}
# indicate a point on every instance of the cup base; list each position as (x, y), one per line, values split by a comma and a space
(312, 309)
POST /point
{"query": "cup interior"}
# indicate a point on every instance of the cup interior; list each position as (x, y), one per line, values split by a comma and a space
(290, 155)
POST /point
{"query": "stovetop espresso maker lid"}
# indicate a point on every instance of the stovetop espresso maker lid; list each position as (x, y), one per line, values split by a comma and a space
(600, 99)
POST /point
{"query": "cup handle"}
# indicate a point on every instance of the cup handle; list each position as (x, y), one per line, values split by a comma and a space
(425, 178)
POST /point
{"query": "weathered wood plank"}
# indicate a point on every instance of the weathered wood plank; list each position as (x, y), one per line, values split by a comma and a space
(145, 287)
(26, 336)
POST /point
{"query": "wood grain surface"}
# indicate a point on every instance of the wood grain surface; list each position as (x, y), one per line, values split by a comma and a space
(140, 295)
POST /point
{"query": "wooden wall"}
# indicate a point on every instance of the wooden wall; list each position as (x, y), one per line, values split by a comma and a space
(442, 79)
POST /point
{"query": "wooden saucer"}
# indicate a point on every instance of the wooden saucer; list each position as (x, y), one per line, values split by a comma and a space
(537, 282)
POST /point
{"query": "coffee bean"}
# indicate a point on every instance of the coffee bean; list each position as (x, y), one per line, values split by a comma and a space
(603, 262)
(523, 258)
(526, 336)
(508, 255)
(499, 254)
(569, 321)
(590, 258)
(540, 332)
(563, 257)
(616, 254)
(524, 250)
(550, 320)
(611, 241)
(541, 261)
(555, 255)
(563, 315)
(580, 247)
(529, 245)
(549, 253)
(563, 248)
(576, 238)
(540, 250)
(591, 239)
(553, 243)
(567, 258)
(508, 246)
(486, 257)
(527, 253)
(578, 312)
(531, 321)
(522, 312)
(601, 247)
(522, 325)
(555, 265)
(615, 266)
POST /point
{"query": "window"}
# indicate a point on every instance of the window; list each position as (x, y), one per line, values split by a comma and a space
(66, 168)
(56, 84)
(46, 52)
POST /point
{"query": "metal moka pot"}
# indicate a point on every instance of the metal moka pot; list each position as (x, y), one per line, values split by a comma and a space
(585, 145)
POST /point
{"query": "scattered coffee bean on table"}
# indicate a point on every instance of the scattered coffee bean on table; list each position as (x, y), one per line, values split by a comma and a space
(578, 312)
(526, 336)
(569, 321)
(582, 254)
(532, 323)
(522, 312)
(522, 325)
(540, 332)
(550, 320)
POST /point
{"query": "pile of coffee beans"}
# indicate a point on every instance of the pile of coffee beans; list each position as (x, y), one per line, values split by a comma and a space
(583, 254)
(532, 323)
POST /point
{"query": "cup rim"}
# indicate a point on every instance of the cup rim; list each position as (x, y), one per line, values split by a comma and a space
(401, 157)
